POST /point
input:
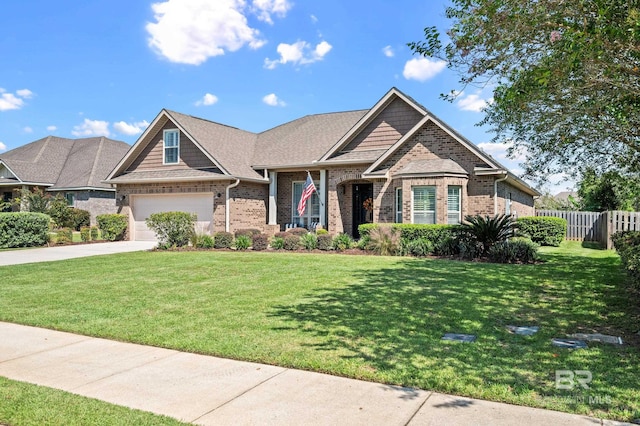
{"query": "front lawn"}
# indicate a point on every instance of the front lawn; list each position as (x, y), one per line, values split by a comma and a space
(368, 317)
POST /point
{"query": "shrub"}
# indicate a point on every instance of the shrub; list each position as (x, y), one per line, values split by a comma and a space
(321, 231)
(281, 234)
(95, 234)
(277, 243)
(384, 240)
(365, 228)
(172, 228)
(298, 231)
(260, 242)
(409, 232)
(23, 229)
(35, 201)
(515, 250)
(309, 241)
(627, 244)
(419, 248)
(325, 242)
(291, 242)
(247, 232)
(78, 218)
(223, 240)
(364, 243)
(85, 234)
(547, 231)
(64, 236)
(242, 242)
(447, 246)
(488, 231)
(342, 242)
(60, 212)
(112, 226)
(202, 241)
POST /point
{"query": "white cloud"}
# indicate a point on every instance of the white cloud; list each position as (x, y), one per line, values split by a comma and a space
(499, 150)
(27, 129)
(314, 19)
(91, 128)
(24, 93)
(265, 8)
(272, 100)
(422, 69)
(3, 147)
(51, 128)
(388, 51)
(299, 53)
(192, 31)
(130, 128)
(207, 99)
(472, 102)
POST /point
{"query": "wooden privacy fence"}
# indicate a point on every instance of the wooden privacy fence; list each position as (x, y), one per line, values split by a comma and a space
(595, 226)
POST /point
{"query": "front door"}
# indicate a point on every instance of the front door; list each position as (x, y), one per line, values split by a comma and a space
(362, 212)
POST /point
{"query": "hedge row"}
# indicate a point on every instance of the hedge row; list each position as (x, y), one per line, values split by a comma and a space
(410, 232)
(544, 230)
(627, 244)
(23, 229)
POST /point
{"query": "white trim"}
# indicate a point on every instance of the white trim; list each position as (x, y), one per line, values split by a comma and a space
(308, 216)
(165, 147)
(322, 192)
(435, 202)
(459, 210)
(6, 166)
(273, 198)
(398, 189)
(81, 188)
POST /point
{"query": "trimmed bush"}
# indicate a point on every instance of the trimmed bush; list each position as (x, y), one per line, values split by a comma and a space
(64, 236)
(325, 242)
(309, 241)
(298, 231)
(409, 232)
(546, 231)
(78, 218)
(242, 242)
(95, 233)
(60, 212)
(85, 234)
(223, 240)
(515, 250)
(277, 243)
(247, 232)
(291, 242)
(23, 229)
(627, 244)
(342, 242)
(321, 231)
(112, 226)
(260, 242)
(173, 229)
(420, 248)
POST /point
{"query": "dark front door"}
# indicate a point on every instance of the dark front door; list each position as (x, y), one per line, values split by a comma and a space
(361, 193)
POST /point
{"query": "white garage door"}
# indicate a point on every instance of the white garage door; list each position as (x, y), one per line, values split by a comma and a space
(144, 205)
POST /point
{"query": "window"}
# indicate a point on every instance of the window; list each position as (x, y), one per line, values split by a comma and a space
(171, 152)
(71, 198)
(424, 204)
(311, 212)
(399, 205)
(507, 204)
(454, 211)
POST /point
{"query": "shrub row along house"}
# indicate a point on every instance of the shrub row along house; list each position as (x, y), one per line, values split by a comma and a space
(395, 162)
(73, 168)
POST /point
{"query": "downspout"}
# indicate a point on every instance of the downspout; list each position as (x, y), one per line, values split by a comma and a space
(495, 192)
(227, 212)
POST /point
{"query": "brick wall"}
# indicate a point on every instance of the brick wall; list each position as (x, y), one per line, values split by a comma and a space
(95, 202)
(285, 193)
(248, 206)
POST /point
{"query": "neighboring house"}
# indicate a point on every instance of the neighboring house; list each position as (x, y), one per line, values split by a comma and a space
(413, 167)
(73, 168)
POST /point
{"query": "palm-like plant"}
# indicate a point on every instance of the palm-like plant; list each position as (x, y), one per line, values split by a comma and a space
(488, 230)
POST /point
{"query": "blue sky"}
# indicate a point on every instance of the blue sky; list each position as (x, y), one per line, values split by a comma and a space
(107, 67)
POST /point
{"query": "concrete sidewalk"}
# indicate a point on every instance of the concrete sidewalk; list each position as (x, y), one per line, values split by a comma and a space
(48, 254)
(213, 391)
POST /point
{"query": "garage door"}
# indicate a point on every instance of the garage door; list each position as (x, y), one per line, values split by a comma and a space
(144, 205)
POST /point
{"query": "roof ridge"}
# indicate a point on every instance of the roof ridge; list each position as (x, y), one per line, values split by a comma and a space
(96, 159)
(42, 149)
(312, 115)
(208, 121)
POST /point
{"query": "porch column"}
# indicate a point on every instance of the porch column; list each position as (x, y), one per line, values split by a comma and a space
(273, 195)
(323, 198)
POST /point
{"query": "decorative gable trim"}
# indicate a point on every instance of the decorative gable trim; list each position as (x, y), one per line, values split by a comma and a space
(13, 174)
(144, 139)
(370, 116)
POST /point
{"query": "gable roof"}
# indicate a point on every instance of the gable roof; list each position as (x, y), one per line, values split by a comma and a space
(61, 163)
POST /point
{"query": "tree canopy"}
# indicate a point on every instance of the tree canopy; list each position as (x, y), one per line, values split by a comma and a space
(564, 74)
(608, 191)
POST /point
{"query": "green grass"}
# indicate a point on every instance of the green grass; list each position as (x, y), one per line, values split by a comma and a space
(368, 317)
(26, 404)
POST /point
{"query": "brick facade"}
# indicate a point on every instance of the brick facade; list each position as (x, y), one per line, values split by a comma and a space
(95, 202)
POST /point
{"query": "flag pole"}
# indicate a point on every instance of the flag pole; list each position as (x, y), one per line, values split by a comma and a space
(315, 188)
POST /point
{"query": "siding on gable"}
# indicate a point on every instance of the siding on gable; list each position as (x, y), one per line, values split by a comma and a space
(385, 129)
(191, 157)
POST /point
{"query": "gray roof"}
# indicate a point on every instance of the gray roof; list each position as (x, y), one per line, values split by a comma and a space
(66, 163)
(229, 146)
(431, 167)
(304, 140)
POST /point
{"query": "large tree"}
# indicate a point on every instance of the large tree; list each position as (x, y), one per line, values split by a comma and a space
(564, 74)
(608, 191)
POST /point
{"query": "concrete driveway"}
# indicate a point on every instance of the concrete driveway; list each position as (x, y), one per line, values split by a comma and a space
(48, 254)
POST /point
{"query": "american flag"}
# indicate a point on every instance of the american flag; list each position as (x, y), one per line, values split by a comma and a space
(307, 192)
